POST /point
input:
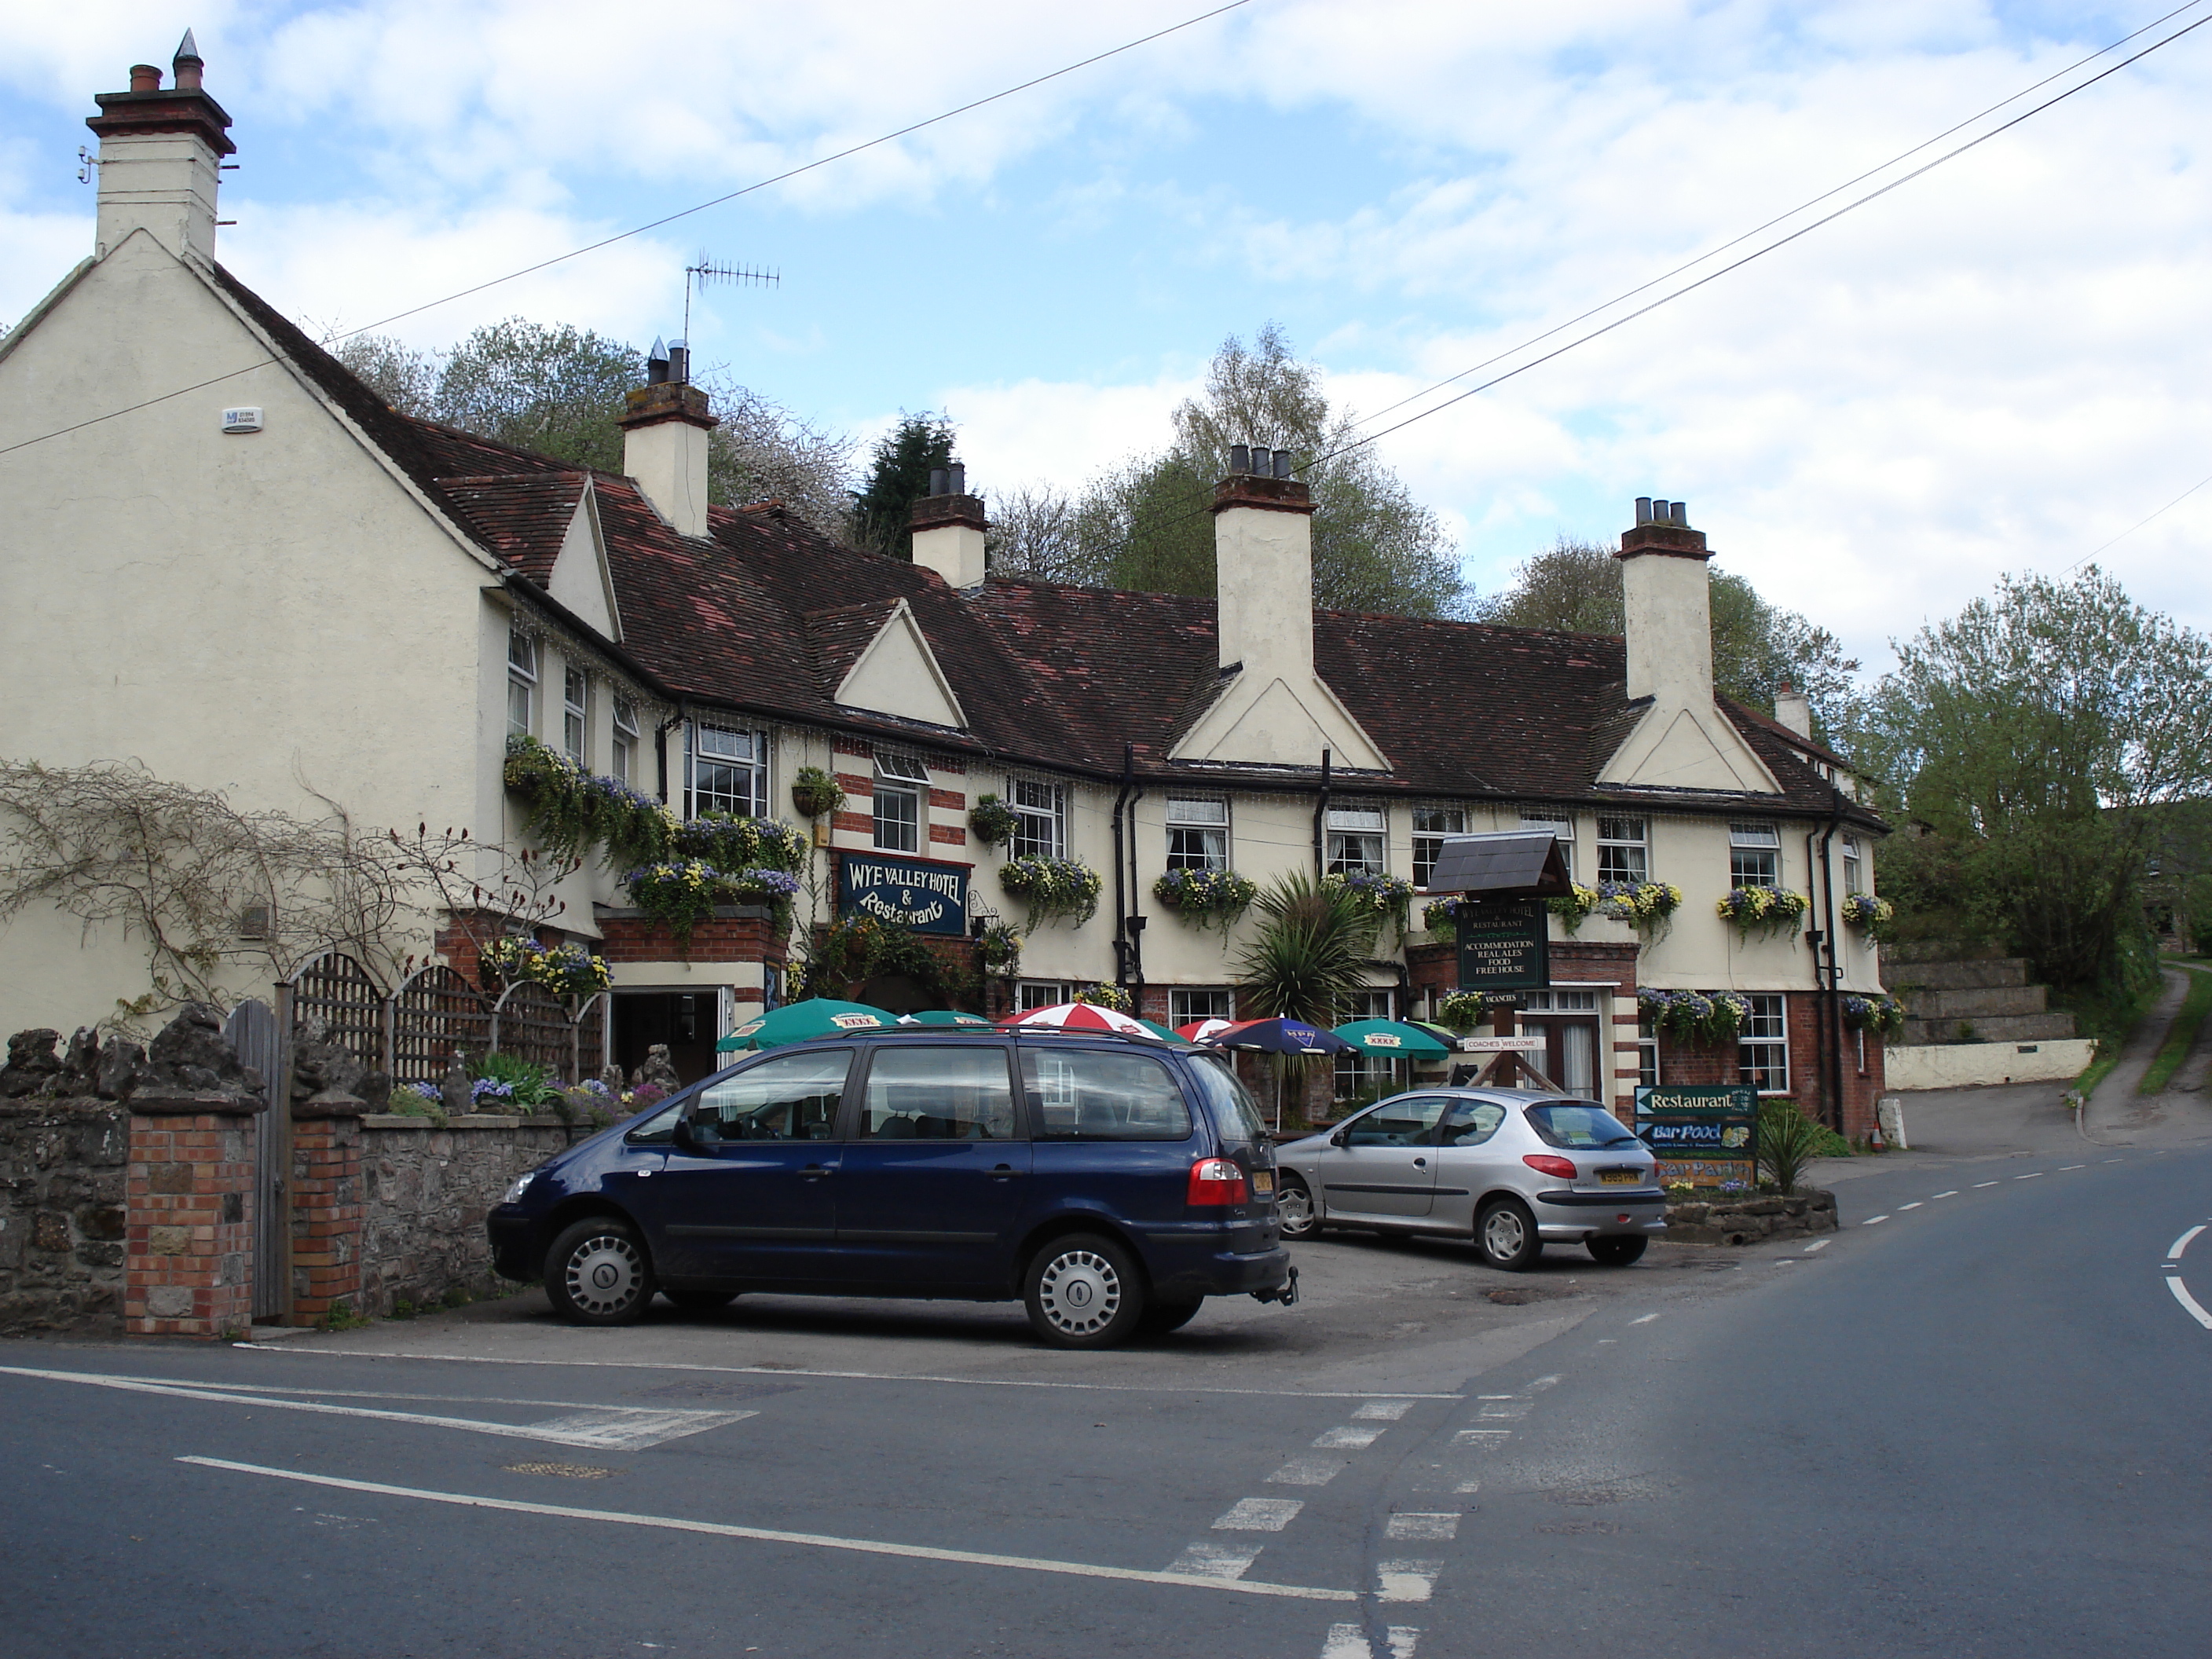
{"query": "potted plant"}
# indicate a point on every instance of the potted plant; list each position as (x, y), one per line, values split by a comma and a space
(1052, 887)
(815, 793)
(992, 822)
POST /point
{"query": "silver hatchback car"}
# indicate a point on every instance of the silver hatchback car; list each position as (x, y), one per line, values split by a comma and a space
(1512, 1168)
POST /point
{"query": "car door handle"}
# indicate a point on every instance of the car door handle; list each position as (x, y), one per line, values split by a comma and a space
(813, 1170)
(1007, 1172)
(1420, 1164)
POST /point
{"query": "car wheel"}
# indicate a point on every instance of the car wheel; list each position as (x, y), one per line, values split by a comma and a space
(1161, 1318)
(1083, 1291)
(596, 1273)
(1505, 1233)
(700, 1301)
(1616, 1251)
(1295, 1210)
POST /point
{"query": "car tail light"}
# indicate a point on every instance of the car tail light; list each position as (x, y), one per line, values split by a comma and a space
(1217, 1181)
(1546, 1163)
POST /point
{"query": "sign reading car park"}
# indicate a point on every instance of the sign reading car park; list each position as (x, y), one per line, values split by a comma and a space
(912, 893)
(1503, 945)
(1705, 1136)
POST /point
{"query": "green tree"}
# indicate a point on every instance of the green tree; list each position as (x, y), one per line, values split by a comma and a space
(898, 477)
(1146, 525)
(1574, 586)
(1309, 954)
(2037, 734)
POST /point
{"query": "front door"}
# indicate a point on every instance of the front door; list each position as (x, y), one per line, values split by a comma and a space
(755, 1196)
(1388, 1166)
(935, 1170)
(1570, 1052)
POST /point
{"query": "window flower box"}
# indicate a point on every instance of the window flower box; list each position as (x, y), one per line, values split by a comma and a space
(1207, 898)
(1694, 1018)
(1050, 887)
(1765, 910)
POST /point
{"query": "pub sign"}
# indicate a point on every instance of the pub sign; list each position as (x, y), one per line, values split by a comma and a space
(1708, 1137)
(1504, 945)
(916, 894)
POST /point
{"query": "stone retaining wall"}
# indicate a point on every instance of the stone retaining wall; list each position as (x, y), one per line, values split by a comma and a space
(62, 1195)
(1748, 1220)
(425, 1192)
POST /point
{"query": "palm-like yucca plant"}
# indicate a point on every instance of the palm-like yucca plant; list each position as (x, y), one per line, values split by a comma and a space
(1788, 1141)
(1309, 956)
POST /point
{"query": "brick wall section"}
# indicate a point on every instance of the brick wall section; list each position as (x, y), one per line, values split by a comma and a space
(188, 1241)
(739, 932)
(63, 1169)
(425, 1193)
(326, 1210)
(947, 835)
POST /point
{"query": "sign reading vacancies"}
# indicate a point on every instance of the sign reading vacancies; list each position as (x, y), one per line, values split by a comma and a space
(1503, 945)
(911, 893)
(1705, 1136)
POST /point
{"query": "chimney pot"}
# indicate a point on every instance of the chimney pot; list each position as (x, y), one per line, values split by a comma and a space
(1282, 463)
(956, 478)
(188, 64)
(1240, 457)
(1677, 513)
(936, 481)
(1643, 510)
(679, 362)
(144, 77)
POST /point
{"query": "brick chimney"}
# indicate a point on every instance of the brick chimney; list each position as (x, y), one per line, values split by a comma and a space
(1669, 605)
(949, 528)
(1263, 566)
(664, 426)
(160, 153)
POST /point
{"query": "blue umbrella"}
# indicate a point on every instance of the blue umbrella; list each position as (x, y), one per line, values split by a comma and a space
(1279, 1036)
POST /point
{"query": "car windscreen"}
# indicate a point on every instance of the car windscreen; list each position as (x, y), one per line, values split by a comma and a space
(1579, 1128)
(1234, 1115)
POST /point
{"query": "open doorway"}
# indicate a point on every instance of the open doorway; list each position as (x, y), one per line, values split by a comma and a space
(687, 1021)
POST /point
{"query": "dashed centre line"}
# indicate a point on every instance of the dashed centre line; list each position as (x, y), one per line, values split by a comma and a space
(2030, 1175)
(1954, 1193)
(2064, 1168)
(1978, 1185)
(1645, 1320)
(1915, 1205)
(1260, 1515)
(1350, 1437)
(1874, 1221)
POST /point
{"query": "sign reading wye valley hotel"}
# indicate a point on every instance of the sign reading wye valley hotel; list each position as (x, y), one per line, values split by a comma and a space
(911, 893)
(1503, 945)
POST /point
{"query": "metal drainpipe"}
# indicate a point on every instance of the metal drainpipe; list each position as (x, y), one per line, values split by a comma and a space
(1136, 924)
(1813, 937)
(1831, 1015)
(1320, 819)
(660, 746)
(1121, 870)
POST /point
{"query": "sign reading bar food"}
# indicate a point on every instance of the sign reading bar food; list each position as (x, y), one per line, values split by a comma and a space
(1503, 945)
(911, 893)
(1708, 1137)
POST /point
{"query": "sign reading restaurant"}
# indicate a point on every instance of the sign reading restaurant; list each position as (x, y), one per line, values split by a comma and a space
(911, 893)
(1705, 1136)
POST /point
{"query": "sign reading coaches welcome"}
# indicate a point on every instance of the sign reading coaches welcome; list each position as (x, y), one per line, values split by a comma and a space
(911, 893)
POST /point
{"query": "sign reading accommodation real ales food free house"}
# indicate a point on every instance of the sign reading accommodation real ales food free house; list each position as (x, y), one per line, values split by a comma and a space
(911, 893)
(1705, 1136)
(1503, 945)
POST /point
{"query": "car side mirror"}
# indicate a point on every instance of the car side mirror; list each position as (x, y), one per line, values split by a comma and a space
(1342, 1137)
(683, 1135)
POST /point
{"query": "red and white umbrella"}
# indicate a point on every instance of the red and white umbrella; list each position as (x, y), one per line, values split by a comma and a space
(1201, 1030)
(1078, 1017)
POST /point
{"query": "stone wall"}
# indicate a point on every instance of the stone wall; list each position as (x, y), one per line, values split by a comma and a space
(61, 1197)
(1750, 1219)
(424, 1193)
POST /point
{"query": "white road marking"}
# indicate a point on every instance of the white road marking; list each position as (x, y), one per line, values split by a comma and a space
(2181, 1295)
(1545, 1383)
(2182, 1243)
(1206, 1560)
(1307, 1472)
(1384, 1411)
(1954, 1193)
(1350, 1438)
(1406, 1581)
(1350, 1641)
(1507, 1408)
(834, 1376)
(769, 1535)
(2030, 1175)
(2064, 1168)
(1410, 1525)
(1482, 1437)
(1787, 1262)
(1978, 1185)
(1468, 1486)
(1260, 1515)
(1645, 1320)
(2112, 1160)
(1915, 1205)
(1874, 1221)
(1817, 1244)
(599, 1428)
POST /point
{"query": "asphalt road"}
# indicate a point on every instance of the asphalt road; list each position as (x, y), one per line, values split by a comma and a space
(1970, 1426)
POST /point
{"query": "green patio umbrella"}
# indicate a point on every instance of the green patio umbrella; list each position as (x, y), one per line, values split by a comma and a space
(1444, 1034)
(943, 1016)
(795, 1022)
(1165, 1035)
(1393, 1039)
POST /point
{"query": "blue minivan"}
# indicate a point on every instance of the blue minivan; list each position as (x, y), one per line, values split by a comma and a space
(1112, 1183)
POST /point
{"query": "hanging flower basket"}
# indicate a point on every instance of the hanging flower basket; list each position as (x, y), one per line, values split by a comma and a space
(1878, 1014)
(992, 822)
(678, 894)
(566, 971)
(1764, 910)
(1207, 898)
(1105, 996)
(1693, 1017)
(816, 793)
(1441, 917)
(1001, 949)
(1646, 906)
(1390, 895)
(572, 811)
(726, 843)
(1052, 887)
(1462, 1010)
(1865, 911)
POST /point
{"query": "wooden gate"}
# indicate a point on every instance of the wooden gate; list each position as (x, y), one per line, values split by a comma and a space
(255, 1032)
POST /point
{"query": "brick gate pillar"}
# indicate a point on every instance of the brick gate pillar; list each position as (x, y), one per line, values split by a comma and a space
(326, 1205)
(188, 1237)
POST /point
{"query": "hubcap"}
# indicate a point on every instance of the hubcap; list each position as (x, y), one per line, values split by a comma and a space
(1294, 1210)
(604, 1274)
(1502, 1233)
(1079, 1292)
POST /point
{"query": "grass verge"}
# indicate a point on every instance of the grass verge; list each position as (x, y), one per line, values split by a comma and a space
(2179, 1035)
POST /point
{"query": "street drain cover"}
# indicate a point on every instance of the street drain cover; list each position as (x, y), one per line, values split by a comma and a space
(566, 1471)
(1519, 1296)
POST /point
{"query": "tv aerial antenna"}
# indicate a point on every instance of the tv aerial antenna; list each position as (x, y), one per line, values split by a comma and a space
(706, 272)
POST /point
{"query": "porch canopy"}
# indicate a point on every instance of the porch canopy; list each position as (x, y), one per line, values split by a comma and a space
(1508, 864)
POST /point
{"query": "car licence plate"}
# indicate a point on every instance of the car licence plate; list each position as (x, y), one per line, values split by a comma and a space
(1263, 1181)
(1618, 1177)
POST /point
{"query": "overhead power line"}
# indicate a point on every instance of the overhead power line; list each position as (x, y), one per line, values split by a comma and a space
(2138, 525)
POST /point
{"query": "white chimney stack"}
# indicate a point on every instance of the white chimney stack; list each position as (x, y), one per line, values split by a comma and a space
(665, 429)
(949, 528)
(160, 157)
(1793, 710)
(1669, 606)
(1263, 567)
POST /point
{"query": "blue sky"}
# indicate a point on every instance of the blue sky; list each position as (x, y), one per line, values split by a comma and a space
(1998, 367)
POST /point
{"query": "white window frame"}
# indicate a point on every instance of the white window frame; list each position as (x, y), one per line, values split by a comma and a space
(1762, 1051)
(521, 683)
(1562, 826)
(1204, 836)
(1753, 840)
(1647, 1052)
(1367, 823)
(1041, 809)
(1624, 849)
(1854, 868)
(700, 756)
(624, 726)
(1039, 993)
(1429, 839)
(1181, 1013)
(901, 777)
(576, 714)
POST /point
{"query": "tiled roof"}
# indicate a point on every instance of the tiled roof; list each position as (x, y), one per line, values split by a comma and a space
(766, 615)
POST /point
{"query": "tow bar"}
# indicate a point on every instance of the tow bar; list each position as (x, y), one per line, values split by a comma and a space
(1285, 1293)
